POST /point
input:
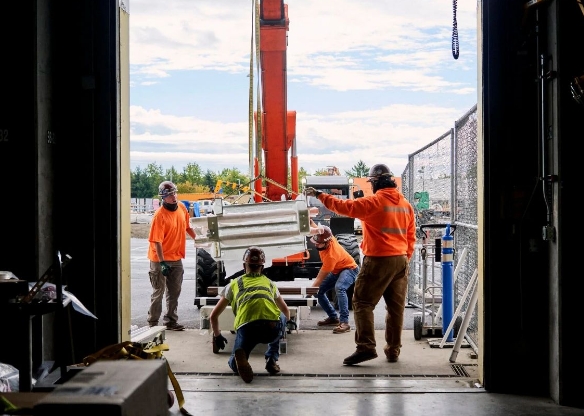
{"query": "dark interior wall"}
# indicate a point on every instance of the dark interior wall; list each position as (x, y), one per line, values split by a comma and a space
(516, 261)
(18, 142)
(86, 116)
(531, 126)
(570, 131)
(59, 154)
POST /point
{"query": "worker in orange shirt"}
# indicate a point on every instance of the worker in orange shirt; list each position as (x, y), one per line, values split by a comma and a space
(168, 229)
(389, 235)
(338, 271)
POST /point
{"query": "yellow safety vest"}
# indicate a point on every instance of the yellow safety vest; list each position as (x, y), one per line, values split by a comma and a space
(254, 298)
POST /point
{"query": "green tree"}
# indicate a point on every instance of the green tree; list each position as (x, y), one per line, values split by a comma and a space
(302, 173)
(209, 180)
(141, 186)
(321, 172)
(233, 180)
(172, 175)
(189, 188)
(155, 176)
(360, 170)
(192, 173)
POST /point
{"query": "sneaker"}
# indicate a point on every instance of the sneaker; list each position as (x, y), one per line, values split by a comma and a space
(358, 357)
(243, 368)
(272, 367)
(175, 327)
(329, 321)
(342, 328)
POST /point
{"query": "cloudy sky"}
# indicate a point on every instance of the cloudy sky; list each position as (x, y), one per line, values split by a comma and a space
(369, 80)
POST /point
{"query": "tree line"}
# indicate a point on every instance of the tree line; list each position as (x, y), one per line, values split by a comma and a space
(193, 179)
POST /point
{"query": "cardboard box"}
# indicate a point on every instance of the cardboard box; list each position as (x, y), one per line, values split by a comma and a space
(113, 388)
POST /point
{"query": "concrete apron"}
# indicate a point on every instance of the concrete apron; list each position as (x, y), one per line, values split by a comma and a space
(314, 361)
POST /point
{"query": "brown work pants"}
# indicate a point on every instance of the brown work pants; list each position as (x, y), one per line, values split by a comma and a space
(387, 277)
(171, 285)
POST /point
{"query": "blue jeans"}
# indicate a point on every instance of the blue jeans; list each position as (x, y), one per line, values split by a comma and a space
(340, 282)
(259, 332)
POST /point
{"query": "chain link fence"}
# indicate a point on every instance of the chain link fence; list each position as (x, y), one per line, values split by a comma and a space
(440, 181)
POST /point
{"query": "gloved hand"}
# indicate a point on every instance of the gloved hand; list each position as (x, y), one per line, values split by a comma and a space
(165, 268)
(291, 326)
(219, 342)
(310, 191)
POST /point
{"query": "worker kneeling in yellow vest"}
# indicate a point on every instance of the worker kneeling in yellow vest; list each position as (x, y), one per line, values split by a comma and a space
(261, 316)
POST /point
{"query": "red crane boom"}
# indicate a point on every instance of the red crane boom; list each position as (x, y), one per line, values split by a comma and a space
(278, 125)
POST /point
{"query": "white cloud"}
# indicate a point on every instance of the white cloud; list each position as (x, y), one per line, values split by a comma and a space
(402, 49)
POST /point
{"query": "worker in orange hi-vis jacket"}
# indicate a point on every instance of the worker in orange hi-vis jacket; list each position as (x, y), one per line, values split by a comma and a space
(389, 234)
(338, 272)
(168, 229)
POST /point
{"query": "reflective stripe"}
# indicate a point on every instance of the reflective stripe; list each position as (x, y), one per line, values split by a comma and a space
(242, 298)
(404, 210)
(254, 302)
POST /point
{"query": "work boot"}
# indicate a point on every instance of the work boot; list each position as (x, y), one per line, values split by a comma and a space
(342, 328)
(243, 368)
(272, 367)
(393, 355)
(329, 321)
(358, 357)
(175, 326)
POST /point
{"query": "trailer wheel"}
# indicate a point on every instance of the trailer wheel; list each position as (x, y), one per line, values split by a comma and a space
(351, 245)
(417, 328)
(209, 272)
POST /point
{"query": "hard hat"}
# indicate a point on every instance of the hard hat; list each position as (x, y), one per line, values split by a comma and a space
(378, 171)
(254, 255)
(166, 188)
(323, 237)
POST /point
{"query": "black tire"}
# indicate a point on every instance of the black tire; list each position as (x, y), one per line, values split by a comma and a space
(351, 245)
(209, 272)
(417, 328)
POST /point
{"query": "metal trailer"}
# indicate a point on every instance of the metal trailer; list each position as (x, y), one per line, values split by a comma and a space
(428, 322)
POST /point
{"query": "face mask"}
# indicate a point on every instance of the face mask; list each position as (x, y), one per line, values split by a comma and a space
(170, 207)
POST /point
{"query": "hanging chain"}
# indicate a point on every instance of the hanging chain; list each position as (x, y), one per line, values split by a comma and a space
(455, 45)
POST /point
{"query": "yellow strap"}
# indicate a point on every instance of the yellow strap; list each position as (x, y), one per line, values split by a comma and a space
(7, 406)
(130, 350)
(177, 390)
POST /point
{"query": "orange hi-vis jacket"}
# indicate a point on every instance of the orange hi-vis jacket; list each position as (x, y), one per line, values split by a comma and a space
(388, 219)
(335, 258)
(170, 229)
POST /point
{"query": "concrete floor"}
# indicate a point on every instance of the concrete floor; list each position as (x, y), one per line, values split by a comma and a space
(308, 399)
(313, 380)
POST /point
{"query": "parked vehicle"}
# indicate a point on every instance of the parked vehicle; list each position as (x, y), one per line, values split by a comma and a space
(358, 226)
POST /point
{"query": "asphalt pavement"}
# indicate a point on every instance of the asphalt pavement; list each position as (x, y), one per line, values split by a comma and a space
(189, 314)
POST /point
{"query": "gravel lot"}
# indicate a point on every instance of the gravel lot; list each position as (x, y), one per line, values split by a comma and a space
(140, 230)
